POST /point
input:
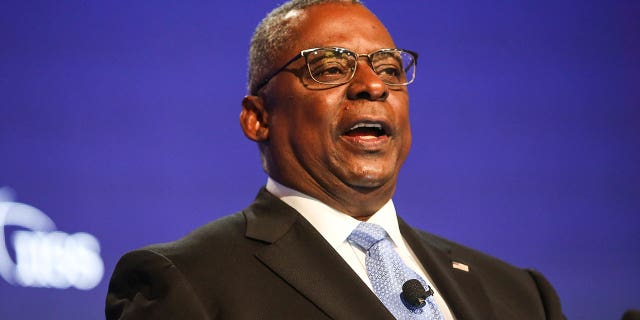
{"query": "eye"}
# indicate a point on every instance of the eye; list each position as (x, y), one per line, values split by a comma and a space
(390, 73)
(335, 70)
(388, 66)
(389, 70)
(329, 71)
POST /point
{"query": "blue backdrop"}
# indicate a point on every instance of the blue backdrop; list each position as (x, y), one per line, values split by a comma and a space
(119, 126)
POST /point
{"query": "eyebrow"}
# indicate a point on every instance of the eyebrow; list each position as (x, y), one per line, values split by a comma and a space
(335, 55)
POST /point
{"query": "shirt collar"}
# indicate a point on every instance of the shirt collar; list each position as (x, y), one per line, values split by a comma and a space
(332, 224)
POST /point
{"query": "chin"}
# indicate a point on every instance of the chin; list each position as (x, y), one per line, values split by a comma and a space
(366, 176)
(368, 182)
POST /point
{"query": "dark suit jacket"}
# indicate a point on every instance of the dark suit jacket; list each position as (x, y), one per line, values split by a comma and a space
(268, 262)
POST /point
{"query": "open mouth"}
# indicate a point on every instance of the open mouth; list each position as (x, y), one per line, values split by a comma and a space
(366, 129)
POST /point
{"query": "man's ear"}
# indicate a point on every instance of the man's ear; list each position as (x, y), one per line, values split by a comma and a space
(254, 119)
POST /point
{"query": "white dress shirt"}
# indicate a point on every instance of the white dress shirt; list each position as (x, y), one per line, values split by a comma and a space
(336, 227)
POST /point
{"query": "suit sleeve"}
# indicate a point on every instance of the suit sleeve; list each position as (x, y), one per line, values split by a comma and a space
(548, 296)
(147, 285)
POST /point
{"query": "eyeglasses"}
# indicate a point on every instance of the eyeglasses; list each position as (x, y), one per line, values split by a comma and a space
(336, 66)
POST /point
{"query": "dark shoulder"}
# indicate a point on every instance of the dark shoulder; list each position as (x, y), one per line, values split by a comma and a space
(212, 233)
(221, 244)
(217, 238)
(171, 272)
(502, 282)
(204, 256)
(463, 253)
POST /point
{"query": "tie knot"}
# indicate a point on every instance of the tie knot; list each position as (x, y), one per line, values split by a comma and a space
(365, 235)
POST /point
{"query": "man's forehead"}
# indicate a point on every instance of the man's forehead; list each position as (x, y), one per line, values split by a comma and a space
(329, 24)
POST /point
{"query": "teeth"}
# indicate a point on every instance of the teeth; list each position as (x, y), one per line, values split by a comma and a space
(367, 125)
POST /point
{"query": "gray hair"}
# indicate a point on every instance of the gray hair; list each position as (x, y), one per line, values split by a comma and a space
(272, 34)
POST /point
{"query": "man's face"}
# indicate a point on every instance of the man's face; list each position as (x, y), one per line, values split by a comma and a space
(319, 137)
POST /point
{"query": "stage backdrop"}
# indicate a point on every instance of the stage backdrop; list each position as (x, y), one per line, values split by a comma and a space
(119, 128)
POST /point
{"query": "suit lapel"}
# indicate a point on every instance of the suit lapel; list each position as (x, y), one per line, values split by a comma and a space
(462, 290)
(297, 253)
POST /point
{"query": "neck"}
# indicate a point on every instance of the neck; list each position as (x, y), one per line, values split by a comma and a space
(359, 203)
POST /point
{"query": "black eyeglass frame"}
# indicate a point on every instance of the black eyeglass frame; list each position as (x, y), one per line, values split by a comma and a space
(305, 53)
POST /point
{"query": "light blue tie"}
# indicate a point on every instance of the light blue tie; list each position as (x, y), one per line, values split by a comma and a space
(387, 273)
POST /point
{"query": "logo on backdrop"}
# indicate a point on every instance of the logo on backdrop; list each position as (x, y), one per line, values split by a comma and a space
(45, 257)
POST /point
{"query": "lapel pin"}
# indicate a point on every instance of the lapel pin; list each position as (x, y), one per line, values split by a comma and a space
(460, 266)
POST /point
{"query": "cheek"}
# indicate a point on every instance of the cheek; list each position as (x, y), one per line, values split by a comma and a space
(308, 132)
(316, 117)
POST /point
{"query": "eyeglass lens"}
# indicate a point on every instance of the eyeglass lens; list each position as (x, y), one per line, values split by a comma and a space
(337, 66)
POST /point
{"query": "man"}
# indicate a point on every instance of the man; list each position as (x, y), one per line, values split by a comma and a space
(328, 107)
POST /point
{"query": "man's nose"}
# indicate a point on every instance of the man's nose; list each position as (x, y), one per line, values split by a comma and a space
(366, 84)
